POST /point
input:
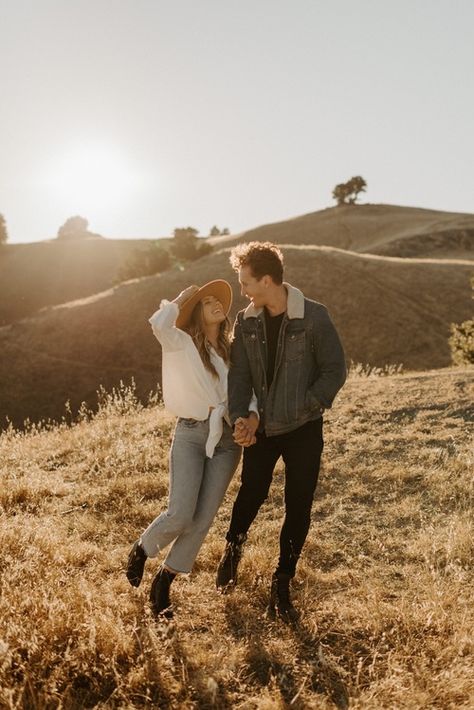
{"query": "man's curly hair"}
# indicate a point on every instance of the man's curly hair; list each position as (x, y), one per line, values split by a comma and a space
(263, 258)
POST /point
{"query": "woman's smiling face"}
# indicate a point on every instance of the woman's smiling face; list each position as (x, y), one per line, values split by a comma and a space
(212, 310)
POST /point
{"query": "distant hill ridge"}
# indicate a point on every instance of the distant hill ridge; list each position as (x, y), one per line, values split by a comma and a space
(372, 228)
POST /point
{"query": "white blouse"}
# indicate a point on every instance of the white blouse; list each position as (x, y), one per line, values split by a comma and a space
(189, 389)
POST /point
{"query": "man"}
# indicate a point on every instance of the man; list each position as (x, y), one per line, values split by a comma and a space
(287, 350)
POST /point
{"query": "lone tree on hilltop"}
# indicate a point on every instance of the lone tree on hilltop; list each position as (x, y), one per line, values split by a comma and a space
(75, 228)
(346, 193)
(3, 230)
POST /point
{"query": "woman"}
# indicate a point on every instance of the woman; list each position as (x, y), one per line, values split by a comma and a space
(193, 332)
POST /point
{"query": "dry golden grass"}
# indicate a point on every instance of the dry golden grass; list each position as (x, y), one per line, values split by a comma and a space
(385, 581)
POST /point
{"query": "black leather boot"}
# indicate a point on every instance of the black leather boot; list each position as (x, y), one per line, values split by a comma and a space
(136, 564)
(160, 593)
(229, 563)
(280, 602)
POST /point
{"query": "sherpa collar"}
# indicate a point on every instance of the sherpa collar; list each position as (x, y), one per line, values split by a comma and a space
(294, 308)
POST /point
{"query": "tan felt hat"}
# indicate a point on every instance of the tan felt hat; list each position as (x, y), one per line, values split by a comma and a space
(218, 288)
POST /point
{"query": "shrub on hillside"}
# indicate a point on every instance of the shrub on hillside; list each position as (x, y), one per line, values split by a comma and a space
(146, 261)
(360, 369)
(121, 400)
(186, 246)
(461, 341)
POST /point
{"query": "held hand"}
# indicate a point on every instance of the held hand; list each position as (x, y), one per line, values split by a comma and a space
(241, 434)
(245, 428)
(243, 438)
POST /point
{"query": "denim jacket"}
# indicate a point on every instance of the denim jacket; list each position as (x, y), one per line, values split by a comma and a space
(309, 365)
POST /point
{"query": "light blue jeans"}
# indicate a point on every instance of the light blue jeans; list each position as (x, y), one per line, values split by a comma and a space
(197, 488)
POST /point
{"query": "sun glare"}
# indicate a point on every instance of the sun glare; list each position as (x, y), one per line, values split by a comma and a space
(91, 178)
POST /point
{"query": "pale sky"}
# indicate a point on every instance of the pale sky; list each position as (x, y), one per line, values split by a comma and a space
(146, 115)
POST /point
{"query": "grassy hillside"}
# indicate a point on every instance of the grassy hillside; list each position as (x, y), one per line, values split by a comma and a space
(388, 311)
(378, 229)
(46, 273)
(385, 582)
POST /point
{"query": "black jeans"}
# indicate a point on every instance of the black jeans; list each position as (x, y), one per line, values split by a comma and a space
(301, 452)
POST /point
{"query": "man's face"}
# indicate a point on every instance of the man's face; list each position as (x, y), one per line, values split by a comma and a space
(252, 288)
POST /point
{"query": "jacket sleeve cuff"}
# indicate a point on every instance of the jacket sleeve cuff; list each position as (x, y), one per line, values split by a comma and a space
(314, 404)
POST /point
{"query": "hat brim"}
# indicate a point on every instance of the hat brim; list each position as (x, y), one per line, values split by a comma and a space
(218, 288)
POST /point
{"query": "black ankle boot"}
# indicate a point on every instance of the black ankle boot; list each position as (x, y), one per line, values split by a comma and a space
(280, 601)
(160, 593)
(136, 564)
(229, 563)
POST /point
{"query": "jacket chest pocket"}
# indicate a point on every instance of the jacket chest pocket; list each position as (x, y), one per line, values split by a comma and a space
(295, 344)
(251, 345)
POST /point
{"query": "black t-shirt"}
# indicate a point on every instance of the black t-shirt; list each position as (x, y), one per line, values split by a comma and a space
(272, 326)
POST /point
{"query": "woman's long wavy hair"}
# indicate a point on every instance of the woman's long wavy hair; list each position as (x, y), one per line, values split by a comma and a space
(196, 331)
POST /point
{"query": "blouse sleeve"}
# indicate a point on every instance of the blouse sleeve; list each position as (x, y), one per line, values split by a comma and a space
(253, 406)
(164, 328)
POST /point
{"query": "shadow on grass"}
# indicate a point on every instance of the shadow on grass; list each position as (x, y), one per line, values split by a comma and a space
(312, 669)
(326, 676)
(192, 681)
